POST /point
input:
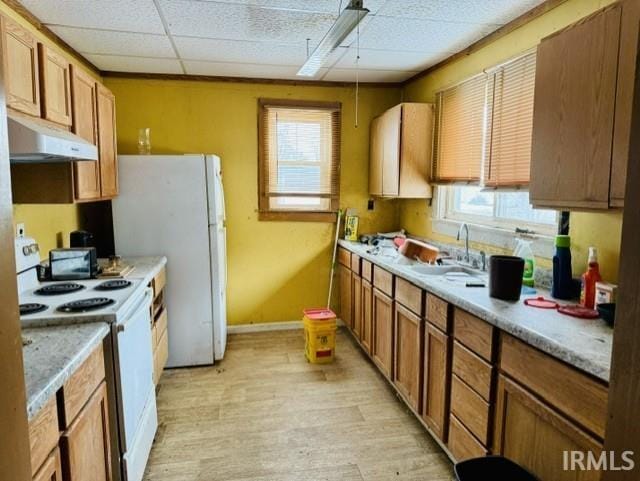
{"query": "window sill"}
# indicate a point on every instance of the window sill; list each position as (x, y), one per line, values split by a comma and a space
(542, 245)
(329, 217)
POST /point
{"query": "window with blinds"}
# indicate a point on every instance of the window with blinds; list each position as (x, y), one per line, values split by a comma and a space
(510, 123)
(299, 160)
(460, 132)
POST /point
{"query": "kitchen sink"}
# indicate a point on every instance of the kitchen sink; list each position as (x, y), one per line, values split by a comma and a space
(434, 270)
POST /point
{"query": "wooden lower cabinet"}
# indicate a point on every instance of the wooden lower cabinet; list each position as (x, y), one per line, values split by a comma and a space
(462, 444)
(436, 380)
(382, 345)
(409, 344)
(345, 295)
(535, 436)
(366, 333)
(86, 447)
(51, 470)
(356, 302)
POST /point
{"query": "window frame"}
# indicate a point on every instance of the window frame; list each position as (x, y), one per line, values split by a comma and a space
(265, 212)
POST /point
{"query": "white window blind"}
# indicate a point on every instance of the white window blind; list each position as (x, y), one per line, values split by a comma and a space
(510, 123)
(459, 133)
(299, 156)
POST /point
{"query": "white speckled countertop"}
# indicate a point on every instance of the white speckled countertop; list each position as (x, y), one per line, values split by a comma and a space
(583, 343)
(144, 268)
(53, 356)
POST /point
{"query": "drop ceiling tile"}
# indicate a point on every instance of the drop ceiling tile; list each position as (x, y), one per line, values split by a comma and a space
(127, 15)
(116, 43)
(242, 22)
(349, 75)
(222, 69)
(414, 35)
(321, 6)
(469, 11)
(240, 51)
(389, 59)
(115, 63)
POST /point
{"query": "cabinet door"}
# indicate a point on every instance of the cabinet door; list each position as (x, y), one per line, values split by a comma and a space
(55, 86)
(416, 145)
(346, 302)
(85, 124)
(86, 448)
(574, 113)
(21, 76)
(366, 334)
(407, 369)
(437, 378)
(356, 301)
(51, 470)
(107, 151)
(382, 348)
(535, 436)
(376, 143)
(624, 100)
(391, 121)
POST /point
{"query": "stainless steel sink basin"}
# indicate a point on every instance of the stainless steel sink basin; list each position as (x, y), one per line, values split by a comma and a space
(432, 270)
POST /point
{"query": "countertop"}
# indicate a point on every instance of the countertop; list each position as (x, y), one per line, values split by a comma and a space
(582, 343)
(144, 268)
(53, 356)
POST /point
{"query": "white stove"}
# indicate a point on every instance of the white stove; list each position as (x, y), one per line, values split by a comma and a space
(125, 304)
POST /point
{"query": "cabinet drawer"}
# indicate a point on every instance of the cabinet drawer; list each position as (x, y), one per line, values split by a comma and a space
(355, 263)
(568, 390)
(81, 385)
(461, 443)
(410, 296)
(383, 280)
(470, 409)
(161, 321)
(158, 282)
(51, 470)
(472, 370)
(367, 270)
(438, 312)
(43, 434)
(160, 357)
(473, 333)
(344, 257)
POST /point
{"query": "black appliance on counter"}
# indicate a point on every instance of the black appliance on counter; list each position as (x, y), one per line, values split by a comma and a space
(81, 238)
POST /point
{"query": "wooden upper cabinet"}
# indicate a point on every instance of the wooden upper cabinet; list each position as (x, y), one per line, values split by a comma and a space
(55, 86)
(20, 61)
(85, 124)
(107, 151)
(400, 152)
(573, 125)
(376, 156)
(629, 30)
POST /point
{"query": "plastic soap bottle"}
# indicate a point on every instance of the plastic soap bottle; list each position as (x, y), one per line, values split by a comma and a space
(589, 279)
(562, 276)
(523, 249)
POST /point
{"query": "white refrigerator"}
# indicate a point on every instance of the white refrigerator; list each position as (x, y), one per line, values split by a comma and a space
(173, 205)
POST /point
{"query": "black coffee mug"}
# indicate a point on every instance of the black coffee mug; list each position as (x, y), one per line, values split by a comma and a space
(505, 277)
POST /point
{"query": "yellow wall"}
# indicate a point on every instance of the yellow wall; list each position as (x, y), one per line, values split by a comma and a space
(48, 224)
(601, 230)
(275, 269)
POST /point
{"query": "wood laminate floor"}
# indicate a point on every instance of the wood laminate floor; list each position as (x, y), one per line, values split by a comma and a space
(265, 414)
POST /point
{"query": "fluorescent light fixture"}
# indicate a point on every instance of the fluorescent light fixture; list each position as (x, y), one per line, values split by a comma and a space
(348, 20)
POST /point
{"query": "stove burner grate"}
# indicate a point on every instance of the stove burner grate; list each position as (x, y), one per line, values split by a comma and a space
(113, 285)
(32, 308)
(86, 305)
(59, 289)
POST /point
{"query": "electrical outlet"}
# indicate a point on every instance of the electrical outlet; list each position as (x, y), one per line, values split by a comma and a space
(20, 230)
(370, 204)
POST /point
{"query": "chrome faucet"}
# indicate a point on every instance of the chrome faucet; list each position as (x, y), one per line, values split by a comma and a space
(464, 227)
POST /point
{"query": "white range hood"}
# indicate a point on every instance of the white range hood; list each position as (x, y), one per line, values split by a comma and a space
(32, 141)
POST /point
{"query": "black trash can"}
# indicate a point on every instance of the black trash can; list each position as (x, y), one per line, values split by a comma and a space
(491, 467)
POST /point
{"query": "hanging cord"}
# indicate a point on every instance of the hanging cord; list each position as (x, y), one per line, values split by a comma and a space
(357, 67)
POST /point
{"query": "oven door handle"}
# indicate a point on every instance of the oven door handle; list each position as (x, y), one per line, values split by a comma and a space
(145, 302)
